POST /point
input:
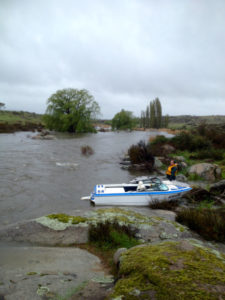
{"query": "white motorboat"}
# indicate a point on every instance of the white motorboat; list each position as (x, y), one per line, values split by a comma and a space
(137, 192)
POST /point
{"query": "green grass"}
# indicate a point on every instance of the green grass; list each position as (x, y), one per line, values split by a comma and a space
(195, 177)
(12, 117)
(206, 204)
(186, 155)
(179, 126)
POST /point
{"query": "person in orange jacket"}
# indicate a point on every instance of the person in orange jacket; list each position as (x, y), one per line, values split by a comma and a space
(172, 170)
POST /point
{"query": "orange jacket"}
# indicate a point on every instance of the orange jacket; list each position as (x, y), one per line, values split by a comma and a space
(170, 170)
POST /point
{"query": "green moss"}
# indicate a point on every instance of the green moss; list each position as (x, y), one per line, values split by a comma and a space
(61, 221)
(32, 273)
(60, 217)
(66, 219)
(172, 272)
(78, 219)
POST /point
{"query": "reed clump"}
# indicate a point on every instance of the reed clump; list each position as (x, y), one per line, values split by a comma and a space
(208, 222)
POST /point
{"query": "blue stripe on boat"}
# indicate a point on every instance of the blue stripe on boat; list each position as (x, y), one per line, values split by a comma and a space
(142, 193)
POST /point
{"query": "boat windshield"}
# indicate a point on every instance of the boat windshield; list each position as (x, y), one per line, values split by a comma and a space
(157, 187)
(163, 187)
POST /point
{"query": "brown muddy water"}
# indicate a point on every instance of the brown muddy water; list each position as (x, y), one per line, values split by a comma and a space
(39, 177)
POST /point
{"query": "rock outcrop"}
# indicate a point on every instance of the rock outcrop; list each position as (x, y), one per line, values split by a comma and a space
(168, 262)
(152, 226)
(206, 171)
(171, 270)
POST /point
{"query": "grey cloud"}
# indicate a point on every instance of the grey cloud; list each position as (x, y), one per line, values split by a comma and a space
(125, 52)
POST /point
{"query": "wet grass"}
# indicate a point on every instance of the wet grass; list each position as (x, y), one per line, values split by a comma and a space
(208, 222)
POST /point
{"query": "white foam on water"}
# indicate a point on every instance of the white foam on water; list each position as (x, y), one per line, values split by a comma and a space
(67, 165)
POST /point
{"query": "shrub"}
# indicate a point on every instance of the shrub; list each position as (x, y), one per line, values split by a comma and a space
(110, 234)
(215, 154)
(159, 139)
(157, 143)
(214, 133)
(190, 142)
(141, 153)
(209, 223)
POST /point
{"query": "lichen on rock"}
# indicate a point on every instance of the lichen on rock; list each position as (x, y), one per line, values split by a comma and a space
(61, 221)
(127, 216)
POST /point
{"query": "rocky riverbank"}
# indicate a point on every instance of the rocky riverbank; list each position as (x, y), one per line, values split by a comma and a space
(42, 259)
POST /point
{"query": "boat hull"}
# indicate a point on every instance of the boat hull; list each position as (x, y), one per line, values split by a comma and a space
(136, 199)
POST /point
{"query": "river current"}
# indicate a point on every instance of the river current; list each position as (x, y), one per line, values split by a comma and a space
(39, 177)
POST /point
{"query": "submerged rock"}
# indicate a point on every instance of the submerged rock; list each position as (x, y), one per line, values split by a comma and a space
(43, 135)
(171, 270)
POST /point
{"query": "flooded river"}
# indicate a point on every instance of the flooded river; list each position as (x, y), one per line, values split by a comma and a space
(39, 177)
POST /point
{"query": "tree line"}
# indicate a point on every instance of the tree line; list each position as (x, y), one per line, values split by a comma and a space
(73, 110)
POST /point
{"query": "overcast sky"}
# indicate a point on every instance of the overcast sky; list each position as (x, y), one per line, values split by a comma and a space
(125, 52)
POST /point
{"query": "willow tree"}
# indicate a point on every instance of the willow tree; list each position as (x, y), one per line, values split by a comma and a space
(124, 120)
(71, 110)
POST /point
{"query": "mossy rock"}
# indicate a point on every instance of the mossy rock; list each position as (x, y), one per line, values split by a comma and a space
(171, 270)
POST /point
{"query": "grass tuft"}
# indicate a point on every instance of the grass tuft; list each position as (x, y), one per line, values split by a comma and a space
(110, 234)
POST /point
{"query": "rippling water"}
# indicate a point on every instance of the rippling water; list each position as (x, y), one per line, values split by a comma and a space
(38, 177)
